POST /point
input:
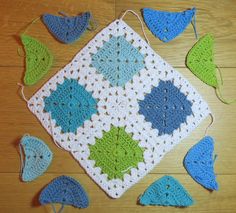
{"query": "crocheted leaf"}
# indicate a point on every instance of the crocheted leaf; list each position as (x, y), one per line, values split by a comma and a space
(64, 190)
(167, 25)
(67, 29)
(166, 191)
(200, 60)
(38, 60)
(199, 163)
(38, 157)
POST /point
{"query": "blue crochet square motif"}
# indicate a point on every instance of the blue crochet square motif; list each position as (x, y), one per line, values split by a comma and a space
(118, 60)
(166, 107)
(70, 105)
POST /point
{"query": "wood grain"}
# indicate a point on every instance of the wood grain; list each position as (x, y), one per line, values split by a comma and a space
(217, 17)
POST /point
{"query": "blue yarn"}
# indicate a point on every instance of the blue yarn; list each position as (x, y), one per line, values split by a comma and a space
(70, 105)
(165, 107)
(118, 61)
(38, 157)
(166, 191)
(67, 29)
(64, 190)
(168, 25)
(199, 163)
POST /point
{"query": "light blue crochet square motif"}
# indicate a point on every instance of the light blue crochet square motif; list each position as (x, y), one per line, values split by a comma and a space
(70, 105)
(166, 107)
(118, 61)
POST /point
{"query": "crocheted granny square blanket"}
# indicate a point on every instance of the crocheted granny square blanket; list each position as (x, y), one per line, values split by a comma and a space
(118, 107)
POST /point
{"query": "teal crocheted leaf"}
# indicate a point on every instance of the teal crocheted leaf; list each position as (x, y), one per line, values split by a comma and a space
(38, 157)
(166, 191)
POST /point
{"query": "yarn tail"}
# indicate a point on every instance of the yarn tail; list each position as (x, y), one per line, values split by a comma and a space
(208, 127)
(194, 25)
(54, 209)
(220, 97)
(219, 93)
(21, 160)
(93, 23)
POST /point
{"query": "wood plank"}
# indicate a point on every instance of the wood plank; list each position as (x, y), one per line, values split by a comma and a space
(25, 197)
(16, 120)
(210, 19)
(217, 17)
(15, 20)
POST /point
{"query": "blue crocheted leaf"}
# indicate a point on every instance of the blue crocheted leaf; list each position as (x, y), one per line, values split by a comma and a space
(199, 163)
(67, 29)
(167, 25)
(166, 191)
(64, 190)
(37, 157)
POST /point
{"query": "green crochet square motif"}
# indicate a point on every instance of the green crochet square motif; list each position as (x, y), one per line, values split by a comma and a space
(116, 153)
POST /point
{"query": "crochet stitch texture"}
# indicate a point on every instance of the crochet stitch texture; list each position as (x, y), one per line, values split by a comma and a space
(199, 163)
(70, 105)
(64, 190)
(165, 107)
(200, 60)
(166, 191)
(118, 60)
(118, 107)
(38, 157)
(38, 59)
(115, 153)
(167, 25)
(67, 29)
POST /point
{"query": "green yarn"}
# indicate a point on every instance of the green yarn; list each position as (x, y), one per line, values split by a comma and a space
(200, 60)
(38, 59)
(116, 153)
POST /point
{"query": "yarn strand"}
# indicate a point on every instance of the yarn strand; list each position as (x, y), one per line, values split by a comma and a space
(21, 160)
(54, 209)
(219, 93)
(30, 24)
(62, 13)
(222, 99)
(142, 26)
(52, 134)
(93, 23)
(193, 22)
(209, 126)
(22, 92)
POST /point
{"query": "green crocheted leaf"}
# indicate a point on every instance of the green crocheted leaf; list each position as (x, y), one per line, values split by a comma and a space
(38, 59)
(116, 153)
(200, 60)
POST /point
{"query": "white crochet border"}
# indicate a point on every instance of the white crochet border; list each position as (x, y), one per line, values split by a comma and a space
(118, 106)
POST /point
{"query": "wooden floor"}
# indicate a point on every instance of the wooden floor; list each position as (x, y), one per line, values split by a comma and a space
(217, 17)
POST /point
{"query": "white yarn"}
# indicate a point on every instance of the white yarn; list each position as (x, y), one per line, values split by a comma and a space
(118, 106)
